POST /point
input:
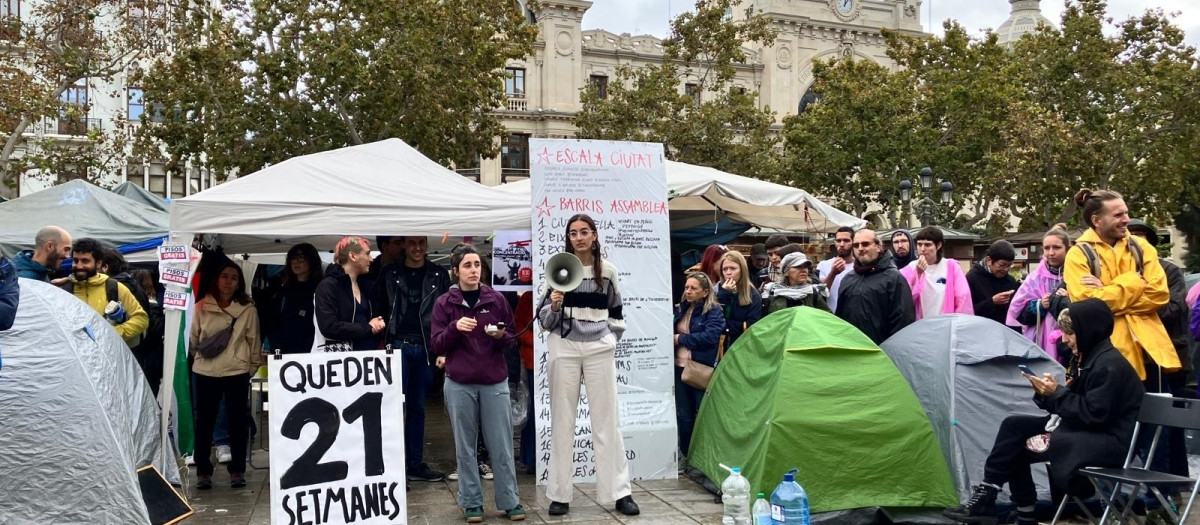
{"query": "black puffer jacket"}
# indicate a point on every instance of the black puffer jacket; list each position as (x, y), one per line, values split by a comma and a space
(1098, 409)
(336, 309)
(876, 299)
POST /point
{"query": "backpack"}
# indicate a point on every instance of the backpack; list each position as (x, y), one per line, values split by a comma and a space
(1093, 259)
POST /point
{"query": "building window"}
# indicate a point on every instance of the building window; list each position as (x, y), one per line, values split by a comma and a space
(136, 103)
(72, 118)
(738, 90)
(600, 83)
(514, 157)
(692, 91)
(514, 82)
(146, 16)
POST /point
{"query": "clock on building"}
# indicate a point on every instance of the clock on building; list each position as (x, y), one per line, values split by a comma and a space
(845, 10)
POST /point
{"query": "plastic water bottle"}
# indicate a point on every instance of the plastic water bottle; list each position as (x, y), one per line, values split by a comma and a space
(115, 312)
(789, 502)
(736, 491)
(761, 510)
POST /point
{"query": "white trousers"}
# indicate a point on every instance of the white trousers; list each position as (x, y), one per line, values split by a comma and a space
(594, 362)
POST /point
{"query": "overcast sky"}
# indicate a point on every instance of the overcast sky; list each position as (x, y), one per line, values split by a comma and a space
(651, 16)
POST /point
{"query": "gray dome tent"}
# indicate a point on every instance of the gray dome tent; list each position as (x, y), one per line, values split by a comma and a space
(963, 369)
(76, 416)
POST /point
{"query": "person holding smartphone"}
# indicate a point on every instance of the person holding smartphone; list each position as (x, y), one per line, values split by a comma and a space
(992, 288)
(1088, 422)
(472, 328)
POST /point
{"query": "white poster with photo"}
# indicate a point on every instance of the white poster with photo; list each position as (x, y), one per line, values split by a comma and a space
(337, 439)
(622, 186)
(512, 261)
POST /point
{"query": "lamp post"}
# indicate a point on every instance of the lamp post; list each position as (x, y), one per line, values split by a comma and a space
(927, 204)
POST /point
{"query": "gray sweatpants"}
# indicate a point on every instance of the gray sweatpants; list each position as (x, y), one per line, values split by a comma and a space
(467, 404)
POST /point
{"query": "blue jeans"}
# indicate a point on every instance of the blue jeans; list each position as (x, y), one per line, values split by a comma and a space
(486, 408)
(417, 373)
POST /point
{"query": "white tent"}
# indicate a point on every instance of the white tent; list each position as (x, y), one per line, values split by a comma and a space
(381, 188)
(700, 194)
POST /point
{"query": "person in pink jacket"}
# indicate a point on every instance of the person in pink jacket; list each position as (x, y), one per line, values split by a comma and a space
(1036, 305)
(938, 285)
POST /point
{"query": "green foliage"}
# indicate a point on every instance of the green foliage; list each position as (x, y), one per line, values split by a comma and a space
(263, 81)
(723, 127)
(55, 45)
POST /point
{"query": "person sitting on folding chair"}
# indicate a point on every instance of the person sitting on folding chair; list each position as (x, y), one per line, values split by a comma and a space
(1090, 421)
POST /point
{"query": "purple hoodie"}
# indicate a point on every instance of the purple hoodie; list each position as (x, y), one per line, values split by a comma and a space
(473, 358)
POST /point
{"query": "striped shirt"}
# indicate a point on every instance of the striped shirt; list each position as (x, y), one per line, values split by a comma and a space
(590, 311)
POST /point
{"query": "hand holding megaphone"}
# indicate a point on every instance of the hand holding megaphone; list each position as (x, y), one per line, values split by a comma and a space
(556, 298)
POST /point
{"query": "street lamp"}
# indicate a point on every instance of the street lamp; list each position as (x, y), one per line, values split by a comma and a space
(927, 204)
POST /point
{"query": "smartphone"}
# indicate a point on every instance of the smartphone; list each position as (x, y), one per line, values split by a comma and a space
(1027, 370)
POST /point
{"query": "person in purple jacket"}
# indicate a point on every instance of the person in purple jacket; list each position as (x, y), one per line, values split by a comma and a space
(472, 326)
(1196, 320)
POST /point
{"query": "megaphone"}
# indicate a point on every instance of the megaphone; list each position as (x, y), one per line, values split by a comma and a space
(564, 272)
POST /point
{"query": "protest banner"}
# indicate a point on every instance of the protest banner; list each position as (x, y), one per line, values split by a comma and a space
(512, 261)
(337, 439)
(622, 186)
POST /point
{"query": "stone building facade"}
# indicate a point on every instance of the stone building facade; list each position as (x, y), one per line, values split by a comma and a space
(543, 91)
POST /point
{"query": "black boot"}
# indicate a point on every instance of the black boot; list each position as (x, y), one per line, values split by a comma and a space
(1026, 518)
(981, 508)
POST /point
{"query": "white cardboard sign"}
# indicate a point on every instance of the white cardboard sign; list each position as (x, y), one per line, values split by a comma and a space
(178, 276)
(172, 253)
(337, 439)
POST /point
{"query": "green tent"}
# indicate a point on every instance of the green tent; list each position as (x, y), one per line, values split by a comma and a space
(804, 389)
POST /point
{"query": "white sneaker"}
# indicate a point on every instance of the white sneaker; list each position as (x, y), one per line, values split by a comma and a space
(224, 455)
(189, 460)
(453, 476)
(485, 471)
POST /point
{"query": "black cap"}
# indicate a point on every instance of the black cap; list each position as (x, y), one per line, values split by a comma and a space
(1140, 226)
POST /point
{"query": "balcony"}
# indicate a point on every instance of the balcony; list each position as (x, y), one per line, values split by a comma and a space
(78, 126)
(508, 175)
(517, 102)
(470, 173)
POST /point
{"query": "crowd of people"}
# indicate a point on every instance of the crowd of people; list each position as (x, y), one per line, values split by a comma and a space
(1105, 306)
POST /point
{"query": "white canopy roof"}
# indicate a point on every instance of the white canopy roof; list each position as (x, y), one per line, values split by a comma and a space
(381, 188)
(696, 191)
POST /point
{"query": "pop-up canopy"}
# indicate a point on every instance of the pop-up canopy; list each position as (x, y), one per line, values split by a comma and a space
(137, 193)
(381, 188)
(701, 195)
(84, 210)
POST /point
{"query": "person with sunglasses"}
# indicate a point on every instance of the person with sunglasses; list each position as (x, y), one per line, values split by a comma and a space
(874, 297)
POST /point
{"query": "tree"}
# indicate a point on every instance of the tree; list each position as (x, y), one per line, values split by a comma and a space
(709, 121)
(314, 76)
(57, 51)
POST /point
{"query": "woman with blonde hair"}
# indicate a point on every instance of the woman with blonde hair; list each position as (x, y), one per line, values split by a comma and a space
(741, 302)
(699, 323)
(346, 313)
(1036, 305)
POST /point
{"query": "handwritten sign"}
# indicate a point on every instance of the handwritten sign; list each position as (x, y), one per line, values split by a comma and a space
(175, 300)
(622, 185)
(512, 261)
(337, 439)
(172, 253)
(175, 276)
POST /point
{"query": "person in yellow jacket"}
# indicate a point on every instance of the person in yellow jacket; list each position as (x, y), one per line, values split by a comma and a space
(91, 286)
(224, 373)
(1133, 297)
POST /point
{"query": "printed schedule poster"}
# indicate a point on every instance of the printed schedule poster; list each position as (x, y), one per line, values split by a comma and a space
(623, 187)
(337, 439)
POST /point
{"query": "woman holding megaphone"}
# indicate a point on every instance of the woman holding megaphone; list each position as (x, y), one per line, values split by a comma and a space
(585, 324)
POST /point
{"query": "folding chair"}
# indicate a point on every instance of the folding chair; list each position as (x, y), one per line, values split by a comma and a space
(1163, 412)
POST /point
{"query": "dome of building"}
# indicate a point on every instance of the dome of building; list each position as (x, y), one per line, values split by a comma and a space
(1024, 20)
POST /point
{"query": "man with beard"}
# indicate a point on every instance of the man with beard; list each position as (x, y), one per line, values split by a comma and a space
(98, 291)
(832, 271)
(902, 248)
(50, 246)
(874, 297)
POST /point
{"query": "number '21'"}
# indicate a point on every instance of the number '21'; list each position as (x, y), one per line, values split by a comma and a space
(308, 469)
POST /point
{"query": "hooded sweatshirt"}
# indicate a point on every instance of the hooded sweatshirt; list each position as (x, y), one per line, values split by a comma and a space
(1098, 408)
(29, 268)
(902, 262)
(473, 358)
(876, 299)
